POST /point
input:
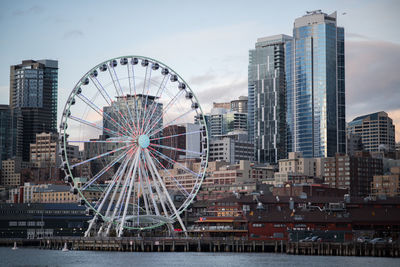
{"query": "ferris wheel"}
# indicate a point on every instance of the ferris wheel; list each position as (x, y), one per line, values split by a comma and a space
(144, 142)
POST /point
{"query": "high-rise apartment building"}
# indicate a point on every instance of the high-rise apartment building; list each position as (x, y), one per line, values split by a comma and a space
(267, 98)
(315, 87)
(376, 130)
(33, 92)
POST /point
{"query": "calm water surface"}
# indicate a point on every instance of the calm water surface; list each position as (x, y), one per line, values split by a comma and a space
(37, 257)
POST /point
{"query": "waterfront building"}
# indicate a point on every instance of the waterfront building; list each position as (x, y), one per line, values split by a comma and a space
(354, 173)
(33, 92)
(376, 130)
(298, 169)
(387, 185)
(267, 98)
(37, 220)
(315, 92)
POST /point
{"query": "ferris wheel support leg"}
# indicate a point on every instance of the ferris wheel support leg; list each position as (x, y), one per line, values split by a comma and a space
(158, 191)
(128, 196)
(114, 194)
(110, 223)
(165, 191)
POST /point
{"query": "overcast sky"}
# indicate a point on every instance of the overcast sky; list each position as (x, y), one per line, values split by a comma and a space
(206, 42)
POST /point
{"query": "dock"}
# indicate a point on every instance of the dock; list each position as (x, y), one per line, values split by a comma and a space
(182, 244)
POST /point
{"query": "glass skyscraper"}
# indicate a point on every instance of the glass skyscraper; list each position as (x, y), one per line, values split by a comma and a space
(33, 92)
(315, 88)
(267, 98)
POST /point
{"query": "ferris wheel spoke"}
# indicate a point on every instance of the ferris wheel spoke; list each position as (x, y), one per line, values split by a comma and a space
(102, 141)
(101, 155)
(154, 104)
(132, 175)
(147, 97)
(105, 169)
(93, 125)
(175, 135)
(180, 186)
(177, 149)
(126, 181)
(101, 112)
(172, 205)
(122, 95)
(148, 184)
(174, 162)
(169, 123)
(110, 103)
(142, 188)
(100, 206)
(172, 101)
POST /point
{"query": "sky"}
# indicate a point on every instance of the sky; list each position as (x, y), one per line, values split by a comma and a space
(206, 42)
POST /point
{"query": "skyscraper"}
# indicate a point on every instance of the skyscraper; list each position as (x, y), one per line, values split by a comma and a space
(33, 92)
(267, 98)
(376, 130)
(315, 86)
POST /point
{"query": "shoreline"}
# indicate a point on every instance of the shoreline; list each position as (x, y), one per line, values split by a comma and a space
(128, 244)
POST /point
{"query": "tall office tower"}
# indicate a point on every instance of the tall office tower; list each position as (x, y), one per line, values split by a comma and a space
(376, 130)
(267, 98)
(33, 91)
(315, 86)
(10, 129)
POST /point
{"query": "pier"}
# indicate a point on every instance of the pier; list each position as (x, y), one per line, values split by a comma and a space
(167, 244)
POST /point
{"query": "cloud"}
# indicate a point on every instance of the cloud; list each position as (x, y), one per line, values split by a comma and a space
(73, 34)
(34, 10)
(372, 78)
(356, 36)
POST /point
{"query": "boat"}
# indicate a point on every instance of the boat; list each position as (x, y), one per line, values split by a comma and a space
(15, 246)
(65, 248)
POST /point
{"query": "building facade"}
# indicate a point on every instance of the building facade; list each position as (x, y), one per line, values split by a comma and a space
(315, 92)
(387, 185)
(10, 133)
(298, 169)
(33, 92)
(376, 130)
(11, 172)
(267, 98)
(231, 148)
(354, 173)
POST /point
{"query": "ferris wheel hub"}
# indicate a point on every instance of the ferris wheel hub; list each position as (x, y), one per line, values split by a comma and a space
(144, 141)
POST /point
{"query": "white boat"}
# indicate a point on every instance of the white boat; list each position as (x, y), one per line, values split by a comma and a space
(15, 246)
(65, 248)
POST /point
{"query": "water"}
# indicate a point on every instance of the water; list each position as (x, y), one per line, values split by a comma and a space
(37, 257)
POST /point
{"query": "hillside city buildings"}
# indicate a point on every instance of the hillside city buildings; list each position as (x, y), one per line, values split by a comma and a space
(282, 162)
